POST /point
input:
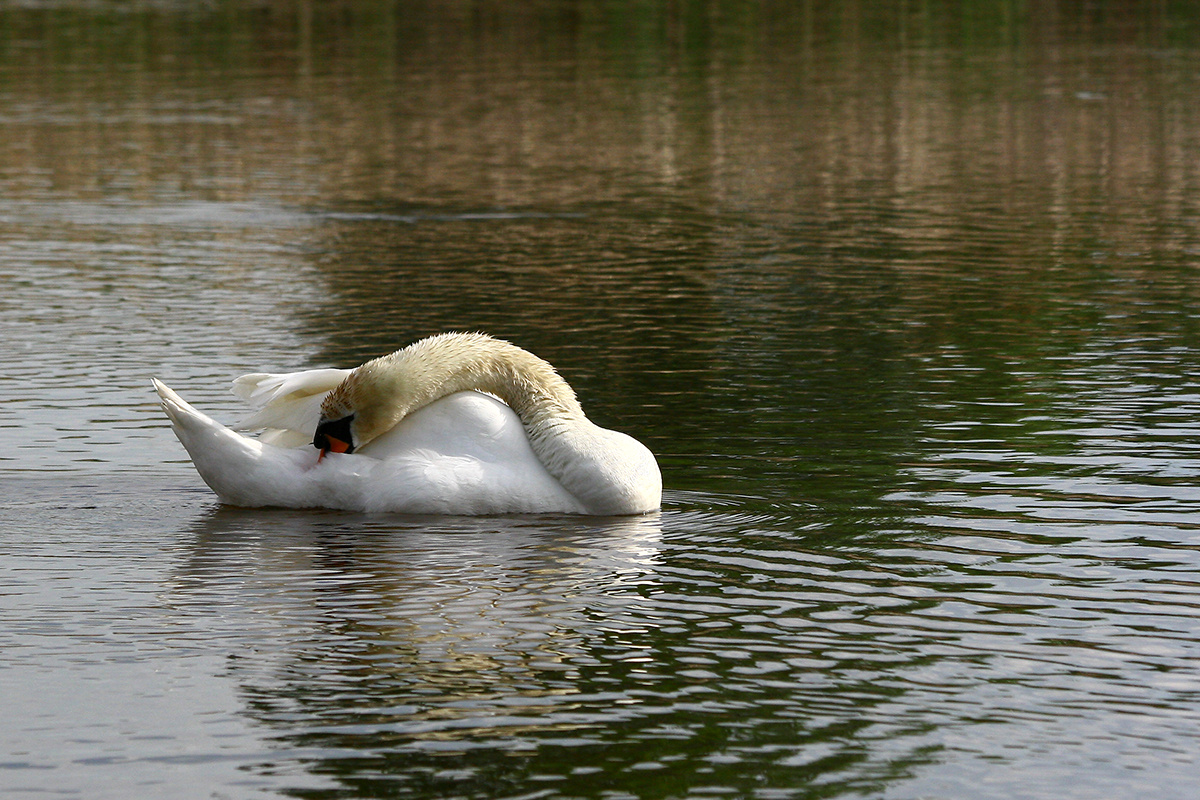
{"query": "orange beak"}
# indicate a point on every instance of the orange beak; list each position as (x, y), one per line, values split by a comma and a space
(336, 445)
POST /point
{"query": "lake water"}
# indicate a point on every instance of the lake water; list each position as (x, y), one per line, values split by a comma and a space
(904, 296)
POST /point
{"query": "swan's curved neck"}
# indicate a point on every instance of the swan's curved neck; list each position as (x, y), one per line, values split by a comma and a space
(444, 365)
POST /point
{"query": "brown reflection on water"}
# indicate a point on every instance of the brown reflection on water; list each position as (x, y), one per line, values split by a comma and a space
(469, 106)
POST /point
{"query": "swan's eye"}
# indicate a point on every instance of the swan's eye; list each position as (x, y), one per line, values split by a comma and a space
(335, 435)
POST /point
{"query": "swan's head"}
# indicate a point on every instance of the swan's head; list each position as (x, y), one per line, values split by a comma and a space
(335, 435)
(362, 407)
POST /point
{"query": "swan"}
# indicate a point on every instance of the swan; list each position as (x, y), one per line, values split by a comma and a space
(457, 423)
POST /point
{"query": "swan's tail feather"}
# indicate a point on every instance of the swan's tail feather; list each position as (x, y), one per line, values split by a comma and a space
(231, 464)
(184, 418)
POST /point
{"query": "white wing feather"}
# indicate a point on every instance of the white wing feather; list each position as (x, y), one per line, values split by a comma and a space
(288, 404)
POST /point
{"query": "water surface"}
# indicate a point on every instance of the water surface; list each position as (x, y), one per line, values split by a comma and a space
(904, 300)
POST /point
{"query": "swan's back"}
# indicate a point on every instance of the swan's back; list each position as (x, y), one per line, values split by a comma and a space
(464, 454)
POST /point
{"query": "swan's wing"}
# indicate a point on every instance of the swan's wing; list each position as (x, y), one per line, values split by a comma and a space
(288, 404)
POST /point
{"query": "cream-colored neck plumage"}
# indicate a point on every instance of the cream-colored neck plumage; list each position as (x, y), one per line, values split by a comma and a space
(382, 392)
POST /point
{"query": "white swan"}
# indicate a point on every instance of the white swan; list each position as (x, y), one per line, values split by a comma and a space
(413, 431)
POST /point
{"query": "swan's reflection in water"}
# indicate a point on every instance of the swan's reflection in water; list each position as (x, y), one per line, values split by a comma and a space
(457, 657)
(428, 630)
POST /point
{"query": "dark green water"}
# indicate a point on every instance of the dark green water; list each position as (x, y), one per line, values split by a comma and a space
(902, 295)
